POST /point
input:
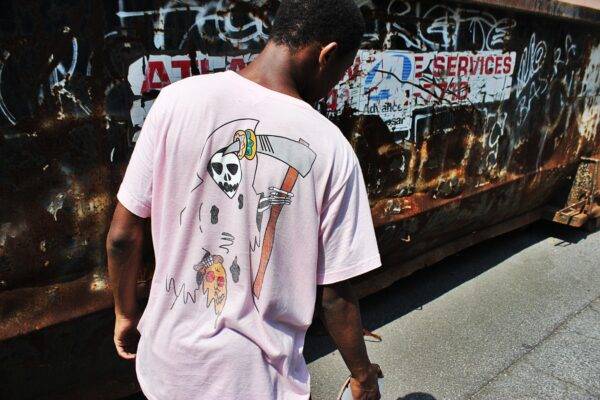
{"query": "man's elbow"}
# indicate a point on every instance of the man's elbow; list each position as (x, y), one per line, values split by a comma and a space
(121, 241)
(337, 297)
(334, 305)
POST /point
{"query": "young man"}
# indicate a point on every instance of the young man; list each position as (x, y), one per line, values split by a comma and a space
(259, 210)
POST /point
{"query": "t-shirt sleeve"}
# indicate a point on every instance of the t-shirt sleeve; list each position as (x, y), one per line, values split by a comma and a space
(347, 243)
(135, 192)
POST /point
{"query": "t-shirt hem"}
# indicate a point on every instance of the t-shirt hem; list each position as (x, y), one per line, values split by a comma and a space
(133, 204)
(356, 269)
(143, 385)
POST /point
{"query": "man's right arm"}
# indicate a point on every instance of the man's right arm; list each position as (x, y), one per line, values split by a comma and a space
(124, 252)
(340, 313)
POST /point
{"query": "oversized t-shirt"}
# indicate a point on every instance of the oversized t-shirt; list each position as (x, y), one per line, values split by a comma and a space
(255, 199)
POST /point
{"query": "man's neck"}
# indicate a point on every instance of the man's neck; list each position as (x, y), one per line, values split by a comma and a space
(273, 68)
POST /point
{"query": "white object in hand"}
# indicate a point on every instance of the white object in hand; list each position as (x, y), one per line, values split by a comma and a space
(347, 393)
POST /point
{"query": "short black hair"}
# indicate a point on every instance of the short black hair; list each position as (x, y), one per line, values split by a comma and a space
(299, 23)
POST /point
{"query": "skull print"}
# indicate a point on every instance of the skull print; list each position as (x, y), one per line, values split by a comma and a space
(226, 172)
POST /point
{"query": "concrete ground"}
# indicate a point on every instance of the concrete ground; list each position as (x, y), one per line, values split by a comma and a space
(516, 317)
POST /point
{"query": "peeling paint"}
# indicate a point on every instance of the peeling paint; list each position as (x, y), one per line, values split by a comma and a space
(56, 204)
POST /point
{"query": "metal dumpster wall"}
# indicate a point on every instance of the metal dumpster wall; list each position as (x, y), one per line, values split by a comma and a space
(462, 115)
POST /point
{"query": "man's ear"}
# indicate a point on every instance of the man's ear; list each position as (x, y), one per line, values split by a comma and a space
(326, 54)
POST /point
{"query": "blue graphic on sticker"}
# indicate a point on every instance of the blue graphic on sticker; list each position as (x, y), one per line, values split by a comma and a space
(371, 75)
(406, 66)
(383, 94)
(397, 65)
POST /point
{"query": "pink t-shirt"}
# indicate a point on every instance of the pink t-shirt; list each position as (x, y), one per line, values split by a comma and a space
(255, 199)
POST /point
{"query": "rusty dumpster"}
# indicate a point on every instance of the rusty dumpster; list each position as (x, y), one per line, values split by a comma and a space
(470, 119)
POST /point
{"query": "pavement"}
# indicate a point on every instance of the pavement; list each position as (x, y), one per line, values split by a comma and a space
(515, 317)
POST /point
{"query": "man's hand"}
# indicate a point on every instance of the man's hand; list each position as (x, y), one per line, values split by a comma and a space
(126, 337)
(366, 387)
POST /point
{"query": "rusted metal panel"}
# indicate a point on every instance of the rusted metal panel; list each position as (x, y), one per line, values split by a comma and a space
(579, 10)
(464, 116)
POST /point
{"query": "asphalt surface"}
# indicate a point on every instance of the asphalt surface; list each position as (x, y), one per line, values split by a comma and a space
(515, 317)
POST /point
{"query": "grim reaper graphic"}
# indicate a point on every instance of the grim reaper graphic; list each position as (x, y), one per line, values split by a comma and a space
(235, 148)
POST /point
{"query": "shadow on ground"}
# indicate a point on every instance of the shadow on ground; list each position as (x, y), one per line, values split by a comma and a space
(412, 292)
(417, 396)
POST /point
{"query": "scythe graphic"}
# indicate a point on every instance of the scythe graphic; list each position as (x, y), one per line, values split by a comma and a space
(299, 159)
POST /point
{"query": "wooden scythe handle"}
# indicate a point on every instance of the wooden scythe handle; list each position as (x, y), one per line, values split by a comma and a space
(288, 184)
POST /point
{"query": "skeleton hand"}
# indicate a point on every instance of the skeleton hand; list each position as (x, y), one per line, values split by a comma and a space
(276, 196)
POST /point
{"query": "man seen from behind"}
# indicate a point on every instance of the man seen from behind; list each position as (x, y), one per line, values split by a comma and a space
(258, 211)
